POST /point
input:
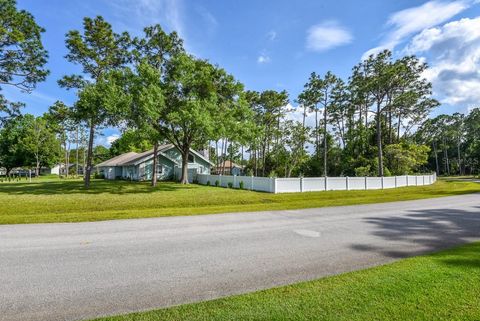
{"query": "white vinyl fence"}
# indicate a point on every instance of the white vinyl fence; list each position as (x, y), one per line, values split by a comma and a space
(311, 184)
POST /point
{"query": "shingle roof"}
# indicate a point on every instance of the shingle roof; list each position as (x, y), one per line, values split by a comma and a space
(132, 158)
(118, 160)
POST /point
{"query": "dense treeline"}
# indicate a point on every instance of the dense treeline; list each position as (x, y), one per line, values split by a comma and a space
(373, 123)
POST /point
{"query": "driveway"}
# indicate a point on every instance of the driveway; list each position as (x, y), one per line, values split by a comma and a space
(84, 270)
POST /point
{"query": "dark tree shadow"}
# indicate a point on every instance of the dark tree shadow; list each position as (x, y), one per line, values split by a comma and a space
(97, 187)
(430, 230)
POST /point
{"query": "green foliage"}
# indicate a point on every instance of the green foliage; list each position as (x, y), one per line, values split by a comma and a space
(130, 141)
(100, 52)
(230, 185)
(22, 55)
(100, 154)
(217, 183)
(406, 158)
(40, 142)
(241, 185)
(363, 171)
(12, 153)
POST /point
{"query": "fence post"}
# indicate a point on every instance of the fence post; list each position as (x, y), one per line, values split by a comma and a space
(416, 180)
(326, 181)
(366, 187)
(395, 181)
(407, 179)
(220, 180)
(251, 181)
(346, 182)
(234, 181)
(301, 184)
(273, 184)
(382, 181)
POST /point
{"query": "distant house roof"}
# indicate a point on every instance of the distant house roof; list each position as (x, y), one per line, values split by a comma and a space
(229, 164)
(132, 158)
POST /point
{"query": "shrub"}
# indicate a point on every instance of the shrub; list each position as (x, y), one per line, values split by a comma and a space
(241, 185)
(217, 183)
(208, 183)
(230, 185)
(99, 176)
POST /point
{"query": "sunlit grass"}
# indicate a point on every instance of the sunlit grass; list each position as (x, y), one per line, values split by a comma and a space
(55, 200)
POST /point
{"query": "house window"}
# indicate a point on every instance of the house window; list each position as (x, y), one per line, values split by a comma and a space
(159, 169)
(191, 158)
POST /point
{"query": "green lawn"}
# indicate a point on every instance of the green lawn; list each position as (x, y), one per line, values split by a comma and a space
(442, 286)
(55, 200)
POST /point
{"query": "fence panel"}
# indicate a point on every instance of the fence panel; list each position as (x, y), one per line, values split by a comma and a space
(311, 184)
(356, 183)
(389, 182)
(412, 180)
(374, 183)
(336, 183)
(401, 181)
(263, 184)
(288, 185)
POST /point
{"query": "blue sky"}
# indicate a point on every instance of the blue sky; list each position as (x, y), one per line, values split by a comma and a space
(277, 44)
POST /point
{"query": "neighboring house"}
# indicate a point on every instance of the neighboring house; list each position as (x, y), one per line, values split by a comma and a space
(229, 168)
(139, 166)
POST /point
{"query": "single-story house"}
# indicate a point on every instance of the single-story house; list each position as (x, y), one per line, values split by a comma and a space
(229, 168)
(139, 166)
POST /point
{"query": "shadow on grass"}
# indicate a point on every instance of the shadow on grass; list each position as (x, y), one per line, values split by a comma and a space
(433, 229)
(97, 187)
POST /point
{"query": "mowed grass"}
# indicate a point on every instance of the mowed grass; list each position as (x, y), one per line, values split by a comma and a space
(442, 286)
(54, 200)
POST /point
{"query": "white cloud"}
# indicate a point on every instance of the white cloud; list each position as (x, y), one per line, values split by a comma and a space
(407, 22)
(263, 59)
(327, 35)
(110, 139)
(272, 35)
(209, 19)
(453, 53)
(138, 14)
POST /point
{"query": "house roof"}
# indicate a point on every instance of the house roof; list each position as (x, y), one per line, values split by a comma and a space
(229, 164)
(132, 158)
(118, 160)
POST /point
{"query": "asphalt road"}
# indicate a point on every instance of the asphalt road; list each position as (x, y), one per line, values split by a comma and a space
(83, 270)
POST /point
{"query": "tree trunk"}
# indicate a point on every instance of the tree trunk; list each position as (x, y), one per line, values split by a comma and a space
(37, 168)
(225, 158)
(255, 161)
(155, 159)
(379, 141)
(459, 158)
(76, 154)
(89, 155)
(398, 127)
(436, 158)
(445, 153)
(325, 148)
(216, 155)
(184, 177)
(317, 139)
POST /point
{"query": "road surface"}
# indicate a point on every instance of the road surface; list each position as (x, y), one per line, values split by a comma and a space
(83, 270)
